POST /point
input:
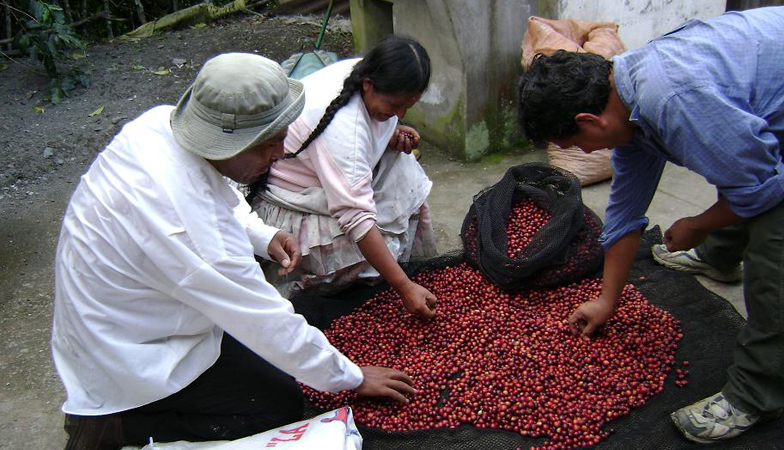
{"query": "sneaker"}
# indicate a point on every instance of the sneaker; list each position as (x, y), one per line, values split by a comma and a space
(712, 419)
(688, 261)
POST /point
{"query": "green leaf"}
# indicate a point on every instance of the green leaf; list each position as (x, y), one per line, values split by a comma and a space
(162, 72)
(59, 16)
(46, 16)
(77, 56)
(57, 95)
(137, 67)
(199, 25)
(39, 109)
(68, 84)
(81, 77)
(38, 9)
(96, 112)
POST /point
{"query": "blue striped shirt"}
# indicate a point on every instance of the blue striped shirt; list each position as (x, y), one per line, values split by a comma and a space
(708, 96)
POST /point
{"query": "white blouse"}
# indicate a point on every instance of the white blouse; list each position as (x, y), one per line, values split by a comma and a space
(341, 160)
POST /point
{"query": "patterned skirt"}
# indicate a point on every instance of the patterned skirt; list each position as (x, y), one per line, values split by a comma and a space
(331, 260)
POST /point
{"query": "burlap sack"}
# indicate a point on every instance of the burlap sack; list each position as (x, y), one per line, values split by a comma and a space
(588, 167)
(546, 36)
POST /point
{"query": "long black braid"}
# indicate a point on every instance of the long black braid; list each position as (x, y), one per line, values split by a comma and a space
(396, 66)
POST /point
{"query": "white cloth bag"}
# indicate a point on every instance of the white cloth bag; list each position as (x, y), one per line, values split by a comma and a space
(334, 430)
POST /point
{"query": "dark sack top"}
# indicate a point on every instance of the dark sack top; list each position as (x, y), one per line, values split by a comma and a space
(484, 230)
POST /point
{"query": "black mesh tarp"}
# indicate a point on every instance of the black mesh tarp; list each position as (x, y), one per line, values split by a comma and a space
(710, 326)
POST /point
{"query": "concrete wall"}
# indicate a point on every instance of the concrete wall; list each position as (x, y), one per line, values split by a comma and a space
(474, 46)
(639, 20)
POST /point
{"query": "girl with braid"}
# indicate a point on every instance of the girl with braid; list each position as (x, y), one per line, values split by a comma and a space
(349, 187)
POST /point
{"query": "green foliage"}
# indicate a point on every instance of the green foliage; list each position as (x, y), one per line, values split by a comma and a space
(46, 38)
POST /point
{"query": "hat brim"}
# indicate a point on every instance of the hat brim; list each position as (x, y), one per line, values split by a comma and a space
(211, 142)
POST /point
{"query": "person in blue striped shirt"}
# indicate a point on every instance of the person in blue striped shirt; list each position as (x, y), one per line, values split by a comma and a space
(708, 96)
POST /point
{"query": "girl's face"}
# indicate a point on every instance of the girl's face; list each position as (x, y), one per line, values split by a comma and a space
(382, 107)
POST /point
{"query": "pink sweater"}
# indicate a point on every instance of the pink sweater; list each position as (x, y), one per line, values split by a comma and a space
(342, 158)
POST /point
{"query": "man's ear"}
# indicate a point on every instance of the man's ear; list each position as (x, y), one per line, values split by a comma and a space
(588, 120)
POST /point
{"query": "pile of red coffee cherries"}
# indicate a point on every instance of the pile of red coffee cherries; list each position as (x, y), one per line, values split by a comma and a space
(682, 372)
(507, 361)
(525, 220)
(584, 253)
(469, 241)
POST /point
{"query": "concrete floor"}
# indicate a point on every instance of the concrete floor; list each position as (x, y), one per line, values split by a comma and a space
(681, 193)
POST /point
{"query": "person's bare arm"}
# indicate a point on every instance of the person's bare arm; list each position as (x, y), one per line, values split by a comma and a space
(416, 298)
(617, 262)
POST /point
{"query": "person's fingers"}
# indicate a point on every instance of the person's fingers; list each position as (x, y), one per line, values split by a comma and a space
(395, 395)
(574, 320)
(276, 252)
(296, 258)
(431, 301)
(589, 328)
(425, 312)
(402, 387)
(667, 240)
(402, 376)
(292, 250)
(406, 145)
(287, 254)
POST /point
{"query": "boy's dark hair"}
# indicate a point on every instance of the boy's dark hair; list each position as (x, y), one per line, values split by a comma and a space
(556, 88)
(397, 65)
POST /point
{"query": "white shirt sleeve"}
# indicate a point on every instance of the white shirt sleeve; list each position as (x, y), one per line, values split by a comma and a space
(223, 281)
(259, 233)
(233, 294)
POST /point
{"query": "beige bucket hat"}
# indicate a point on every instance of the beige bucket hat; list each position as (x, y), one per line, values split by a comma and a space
(238, 100)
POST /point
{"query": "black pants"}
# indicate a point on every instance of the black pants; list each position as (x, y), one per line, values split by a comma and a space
(240, 395)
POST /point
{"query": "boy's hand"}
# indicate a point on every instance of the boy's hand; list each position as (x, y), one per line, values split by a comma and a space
(589, 316)
(682, 235)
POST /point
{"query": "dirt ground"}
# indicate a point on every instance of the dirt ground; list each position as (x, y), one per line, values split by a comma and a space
(45, 153)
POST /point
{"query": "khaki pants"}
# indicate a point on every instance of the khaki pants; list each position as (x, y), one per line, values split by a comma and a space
(756, 379)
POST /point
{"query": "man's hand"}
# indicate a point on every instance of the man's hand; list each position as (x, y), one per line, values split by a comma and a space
(418, 300)
(690, 232)
(590, 316)
(404, 139)
(385, 382)
(284, 249)
(682, 235)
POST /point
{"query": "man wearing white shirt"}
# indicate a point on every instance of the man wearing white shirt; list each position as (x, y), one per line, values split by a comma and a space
(164, 325)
